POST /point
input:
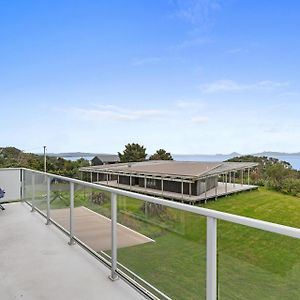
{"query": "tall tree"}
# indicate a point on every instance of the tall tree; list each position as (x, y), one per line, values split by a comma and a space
(133, 152)
(161, 154)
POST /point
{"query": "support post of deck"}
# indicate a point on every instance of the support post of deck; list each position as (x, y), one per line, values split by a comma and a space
(242, 175)
(190, 189)
(48, 200)
(130, 181)
(106, 178)
(205, 189)
(230, 177)
(181, 188)
(162, 186)
(216, 189)
(22, 175)
(97, 177)
(248, 176)
(145, 182)
(33, 191)
(71, 242)
(118, 180)
(226, 188)
(211, 259)
(113, 276)
(234, 178)
(91, 176)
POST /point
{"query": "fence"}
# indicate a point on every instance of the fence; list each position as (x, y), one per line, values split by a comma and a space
(166, 249)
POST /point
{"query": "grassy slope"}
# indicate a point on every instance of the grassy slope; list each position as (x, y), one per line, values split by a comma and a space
(265, 265)
(262, 204)
(252, 264)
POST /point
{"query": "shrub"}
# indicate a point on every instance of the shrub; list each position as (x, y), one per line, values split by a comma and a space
(291, 186)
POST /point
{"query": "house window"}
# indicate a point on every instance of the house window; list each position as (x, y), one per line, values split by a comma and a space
(151, 183)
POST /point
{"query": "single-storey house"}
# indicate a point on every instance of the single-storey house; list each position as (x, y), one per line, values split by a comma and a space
(177, 180)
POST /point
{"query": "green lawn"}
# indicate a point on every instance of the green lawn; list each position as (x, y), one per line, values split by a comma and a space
(252, 264)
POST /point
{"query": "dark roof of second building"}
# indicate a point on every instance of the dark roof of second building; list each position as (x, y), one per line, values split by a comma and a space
(107, 157)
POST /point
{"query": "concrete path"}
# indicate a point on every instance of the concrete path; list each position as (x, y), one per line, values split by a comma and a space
(36, 263)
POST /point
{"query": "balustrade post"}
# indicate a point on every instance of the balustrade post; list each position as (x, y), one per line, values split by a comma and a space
(48, 199)
(211, 259)
(33, 191)
(71, 242)
(113, 276)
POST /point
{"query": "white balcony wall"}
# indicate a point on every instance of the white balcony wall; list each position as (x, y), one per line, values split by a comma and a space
(10, 182)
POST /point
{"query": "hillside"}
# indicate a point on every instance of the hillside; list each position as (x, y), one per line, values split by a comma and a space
(13, 157)
(252, 264)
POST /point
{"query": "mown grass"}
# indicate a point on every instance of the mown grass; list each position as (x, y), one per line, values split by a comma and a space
(252, 264)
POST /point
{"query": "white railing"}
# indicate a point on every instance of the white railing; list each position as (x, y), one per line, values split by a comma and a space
(211, 215)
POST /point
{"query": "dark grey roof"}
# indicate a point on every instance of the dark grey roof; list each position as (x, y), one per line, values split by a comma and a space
(231, 166)
(167, 167)
(190, 169)
(107, 158)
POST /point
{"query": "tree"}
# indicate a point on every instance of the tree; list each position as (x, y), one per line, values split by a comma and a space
(133, 152)
(161, 154)
(267, 169)
(277, 173)
(291, 186)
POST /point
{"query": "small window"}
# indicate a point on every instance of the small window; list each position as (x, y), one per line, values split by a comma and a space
(151, 183)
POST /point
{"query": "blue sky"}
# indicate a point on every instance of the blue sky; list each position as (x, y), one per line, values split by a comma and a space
(190, 76)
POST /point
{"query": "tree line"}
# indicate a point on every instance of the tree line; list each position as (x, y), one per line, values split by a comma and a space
(11, 157)
(136, 152)
(273, 173)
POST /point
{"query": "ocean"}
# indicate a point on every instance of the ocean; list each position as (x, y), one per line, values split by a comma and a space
(292, 159)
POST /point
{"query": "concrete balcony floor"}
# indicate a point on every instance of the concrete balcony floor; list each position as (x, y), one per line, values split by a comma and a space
(36, 263)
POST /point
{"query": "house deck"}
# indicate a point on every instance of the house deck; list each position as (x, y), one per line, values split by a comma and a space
(223, 189)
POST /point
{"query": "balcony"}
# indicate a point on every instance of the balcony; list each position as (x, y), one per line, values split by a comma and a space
(102, 242)
(37, 264)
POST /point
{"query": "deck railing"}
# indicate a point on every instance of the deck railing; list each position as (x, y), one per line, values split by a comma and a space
(174, 229)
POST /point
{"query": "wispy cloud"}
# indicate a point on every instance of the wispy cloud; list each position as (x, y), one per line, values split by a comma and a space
(200, 119)
(146, 60)
(200, 16)
(193, 42)
(233, 86)
(154, 60)
(179, 112)
(289, 94)
(235, 50)
(115, 113)
(196, 11)
(190, 104)
(272, 130)
(245, 48)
